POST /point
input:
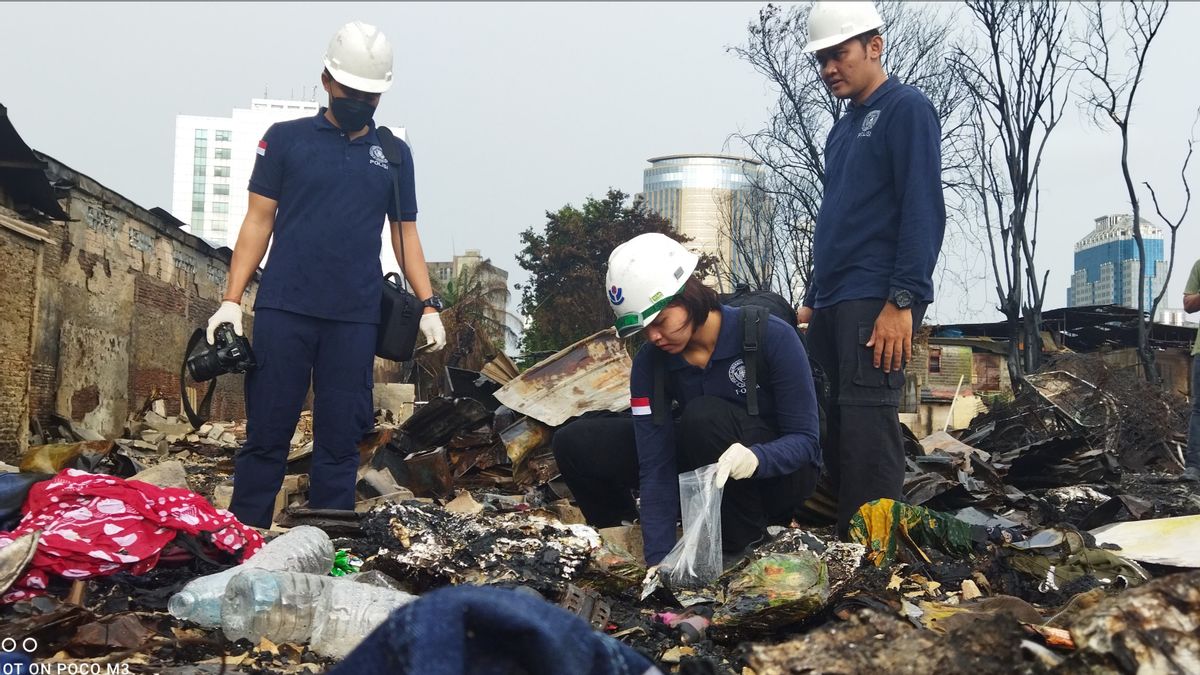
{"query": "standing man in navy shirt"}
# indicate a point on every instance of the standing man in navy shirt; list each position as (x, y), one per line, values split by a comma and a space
(320, 192)
(877, 240)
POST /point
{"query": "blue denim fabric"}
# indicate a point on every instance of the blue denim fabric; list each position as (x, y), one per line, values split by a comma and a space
(489, 631)
(18, 663)
(1193, 448)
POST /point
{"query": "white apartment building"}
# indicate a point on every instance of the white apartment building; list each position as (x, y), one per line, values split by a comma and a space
(213, 160)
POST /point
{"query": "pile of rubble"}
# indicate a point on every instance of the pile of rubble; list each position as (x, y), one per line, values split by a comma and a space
(1052, 534)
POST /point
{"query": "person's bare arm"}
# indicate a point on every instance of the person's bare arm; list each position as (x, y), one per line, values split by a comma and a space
(1191, 302)
(251, 245)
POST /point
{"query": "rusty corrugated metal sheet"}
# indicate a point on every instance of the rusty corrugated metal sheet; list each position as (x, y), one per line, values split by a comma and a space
(592, 374)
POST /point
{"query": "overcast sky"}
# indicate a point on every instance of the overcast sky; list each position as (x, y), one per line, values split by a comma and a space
(513, 109)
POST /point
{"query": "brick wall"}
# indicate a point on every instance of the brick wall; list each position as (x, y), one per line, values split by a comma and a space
(165, 314)
(18, 281)
(121, 293)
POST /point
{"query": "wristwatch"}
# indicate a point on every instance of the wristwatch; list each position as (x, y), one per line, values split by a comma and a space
(435, 302)
(900, 298)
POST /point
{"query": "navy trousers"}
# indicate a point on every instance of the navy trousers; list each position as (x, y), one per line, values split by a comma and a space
(292, 350)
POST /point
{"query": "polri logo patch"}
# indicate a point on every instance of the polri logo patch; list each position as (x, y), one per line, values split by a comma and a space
(737, 374)
(868, 123)
(377, 157)
(616, 296)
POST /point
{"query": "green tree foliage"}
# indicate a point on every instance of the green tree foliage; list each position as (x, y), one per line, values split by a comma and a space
(564, 300)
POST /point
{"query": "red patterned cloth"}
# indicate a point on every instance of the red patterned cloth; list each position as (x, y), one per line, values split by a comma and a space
(96, 525)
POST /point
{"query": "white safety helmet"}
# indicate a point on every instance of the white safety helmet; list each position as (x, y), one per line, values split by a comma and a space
(644, 275)
(832, 23)
(360, 57)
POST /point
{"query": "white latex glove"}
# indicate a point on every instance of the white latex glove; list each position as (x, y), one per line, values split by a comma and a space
(434, 331)
(228, 312)
(737, 462)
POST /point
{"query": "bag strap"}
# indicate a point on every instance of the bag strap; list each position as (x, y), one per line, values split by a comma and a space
(660, 408)
(754, 337)
(195, 418)
(391, 152)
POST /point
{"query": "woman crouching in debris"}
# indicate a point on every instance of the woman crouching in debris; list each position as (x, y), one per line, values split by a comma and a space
(696, 345)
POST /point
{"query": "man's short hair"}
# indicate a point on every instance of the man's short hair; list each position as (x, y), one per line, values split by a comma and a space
(865, 38)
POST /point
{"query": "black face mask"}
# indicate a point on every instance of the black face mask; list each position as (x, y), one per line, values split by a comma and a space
(351, 114)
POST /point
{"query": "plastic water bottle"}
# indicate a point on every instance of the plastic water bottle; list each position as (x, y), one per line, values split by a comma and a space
(349, 612)
(279, 606)
(333, 613)
(301, 549)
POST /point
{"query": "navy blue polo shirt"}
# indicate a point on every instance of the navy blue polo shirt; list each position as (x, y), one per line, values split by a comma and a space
(785, 397)
(332, 194)
(883, 215)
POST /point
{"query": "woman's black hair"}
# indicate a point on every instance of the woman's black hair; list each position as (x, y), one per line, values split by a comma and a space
(698, 300)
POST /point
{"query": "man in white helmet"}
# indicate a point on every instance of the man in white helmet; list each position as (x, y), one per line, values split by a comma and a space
(768, 459)
(877, 240)
(320, 193)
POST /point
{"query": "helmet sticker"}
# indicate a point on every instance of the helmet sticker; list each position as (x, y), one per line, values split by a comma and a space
(615, 295)
(678, 273)
(656, 297)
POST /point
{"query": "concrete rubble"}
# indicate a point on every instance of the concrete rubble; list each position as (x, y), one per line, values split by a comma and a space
(1073, 545)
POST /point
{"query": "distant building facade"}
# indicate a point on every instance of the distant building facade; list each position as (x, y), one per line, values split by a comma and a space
(491, 278)
(213, 160)
(1106, 264)
(214, 157)
(705, 196)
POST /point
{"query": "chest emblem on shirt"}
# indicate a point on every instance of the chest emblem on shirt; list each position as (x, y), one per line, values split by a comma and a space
(377, 157)
(737, 375)
(869, 122)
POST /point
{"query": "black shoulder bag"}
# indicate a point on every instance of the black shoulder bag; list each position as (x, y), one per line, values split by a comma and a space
(399, 311)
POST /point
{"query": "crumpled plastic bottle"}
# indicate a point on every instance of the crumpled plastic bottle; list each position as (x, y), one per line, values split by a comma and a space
(334, 614)
(301, 549)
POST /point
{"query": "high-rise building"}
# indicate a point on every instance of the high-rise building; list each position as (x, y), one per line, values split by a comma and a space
(493, 282)
(705, 197)
(213, 160)
(1106, 264)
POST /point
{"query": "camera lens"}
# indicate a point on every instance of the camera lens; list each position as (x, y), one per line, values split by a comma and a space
(205, 365)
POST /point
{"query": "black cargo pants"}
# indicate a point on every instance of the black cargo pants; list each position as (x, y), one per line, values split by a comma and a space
(598, 459)
(864, 451)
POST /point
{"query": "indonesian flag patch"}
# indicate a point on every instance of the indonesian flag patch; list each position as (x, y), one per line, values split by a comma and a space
(262, 148)
(641, 406)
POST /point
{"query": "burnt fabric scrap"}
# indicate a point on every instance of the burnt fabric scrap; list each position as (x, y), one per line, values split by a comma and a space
(96, 525)
(884, 526)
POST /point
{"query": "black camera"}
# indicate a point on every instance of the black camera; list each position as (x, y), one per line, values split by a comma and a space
(230, 354)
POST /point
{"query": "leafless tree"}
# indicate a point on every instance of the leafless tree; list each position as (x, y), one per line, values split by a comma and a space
(763, 238)
(1016, 70)
(791, 146)
(1174, 223)
(1113, 52)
